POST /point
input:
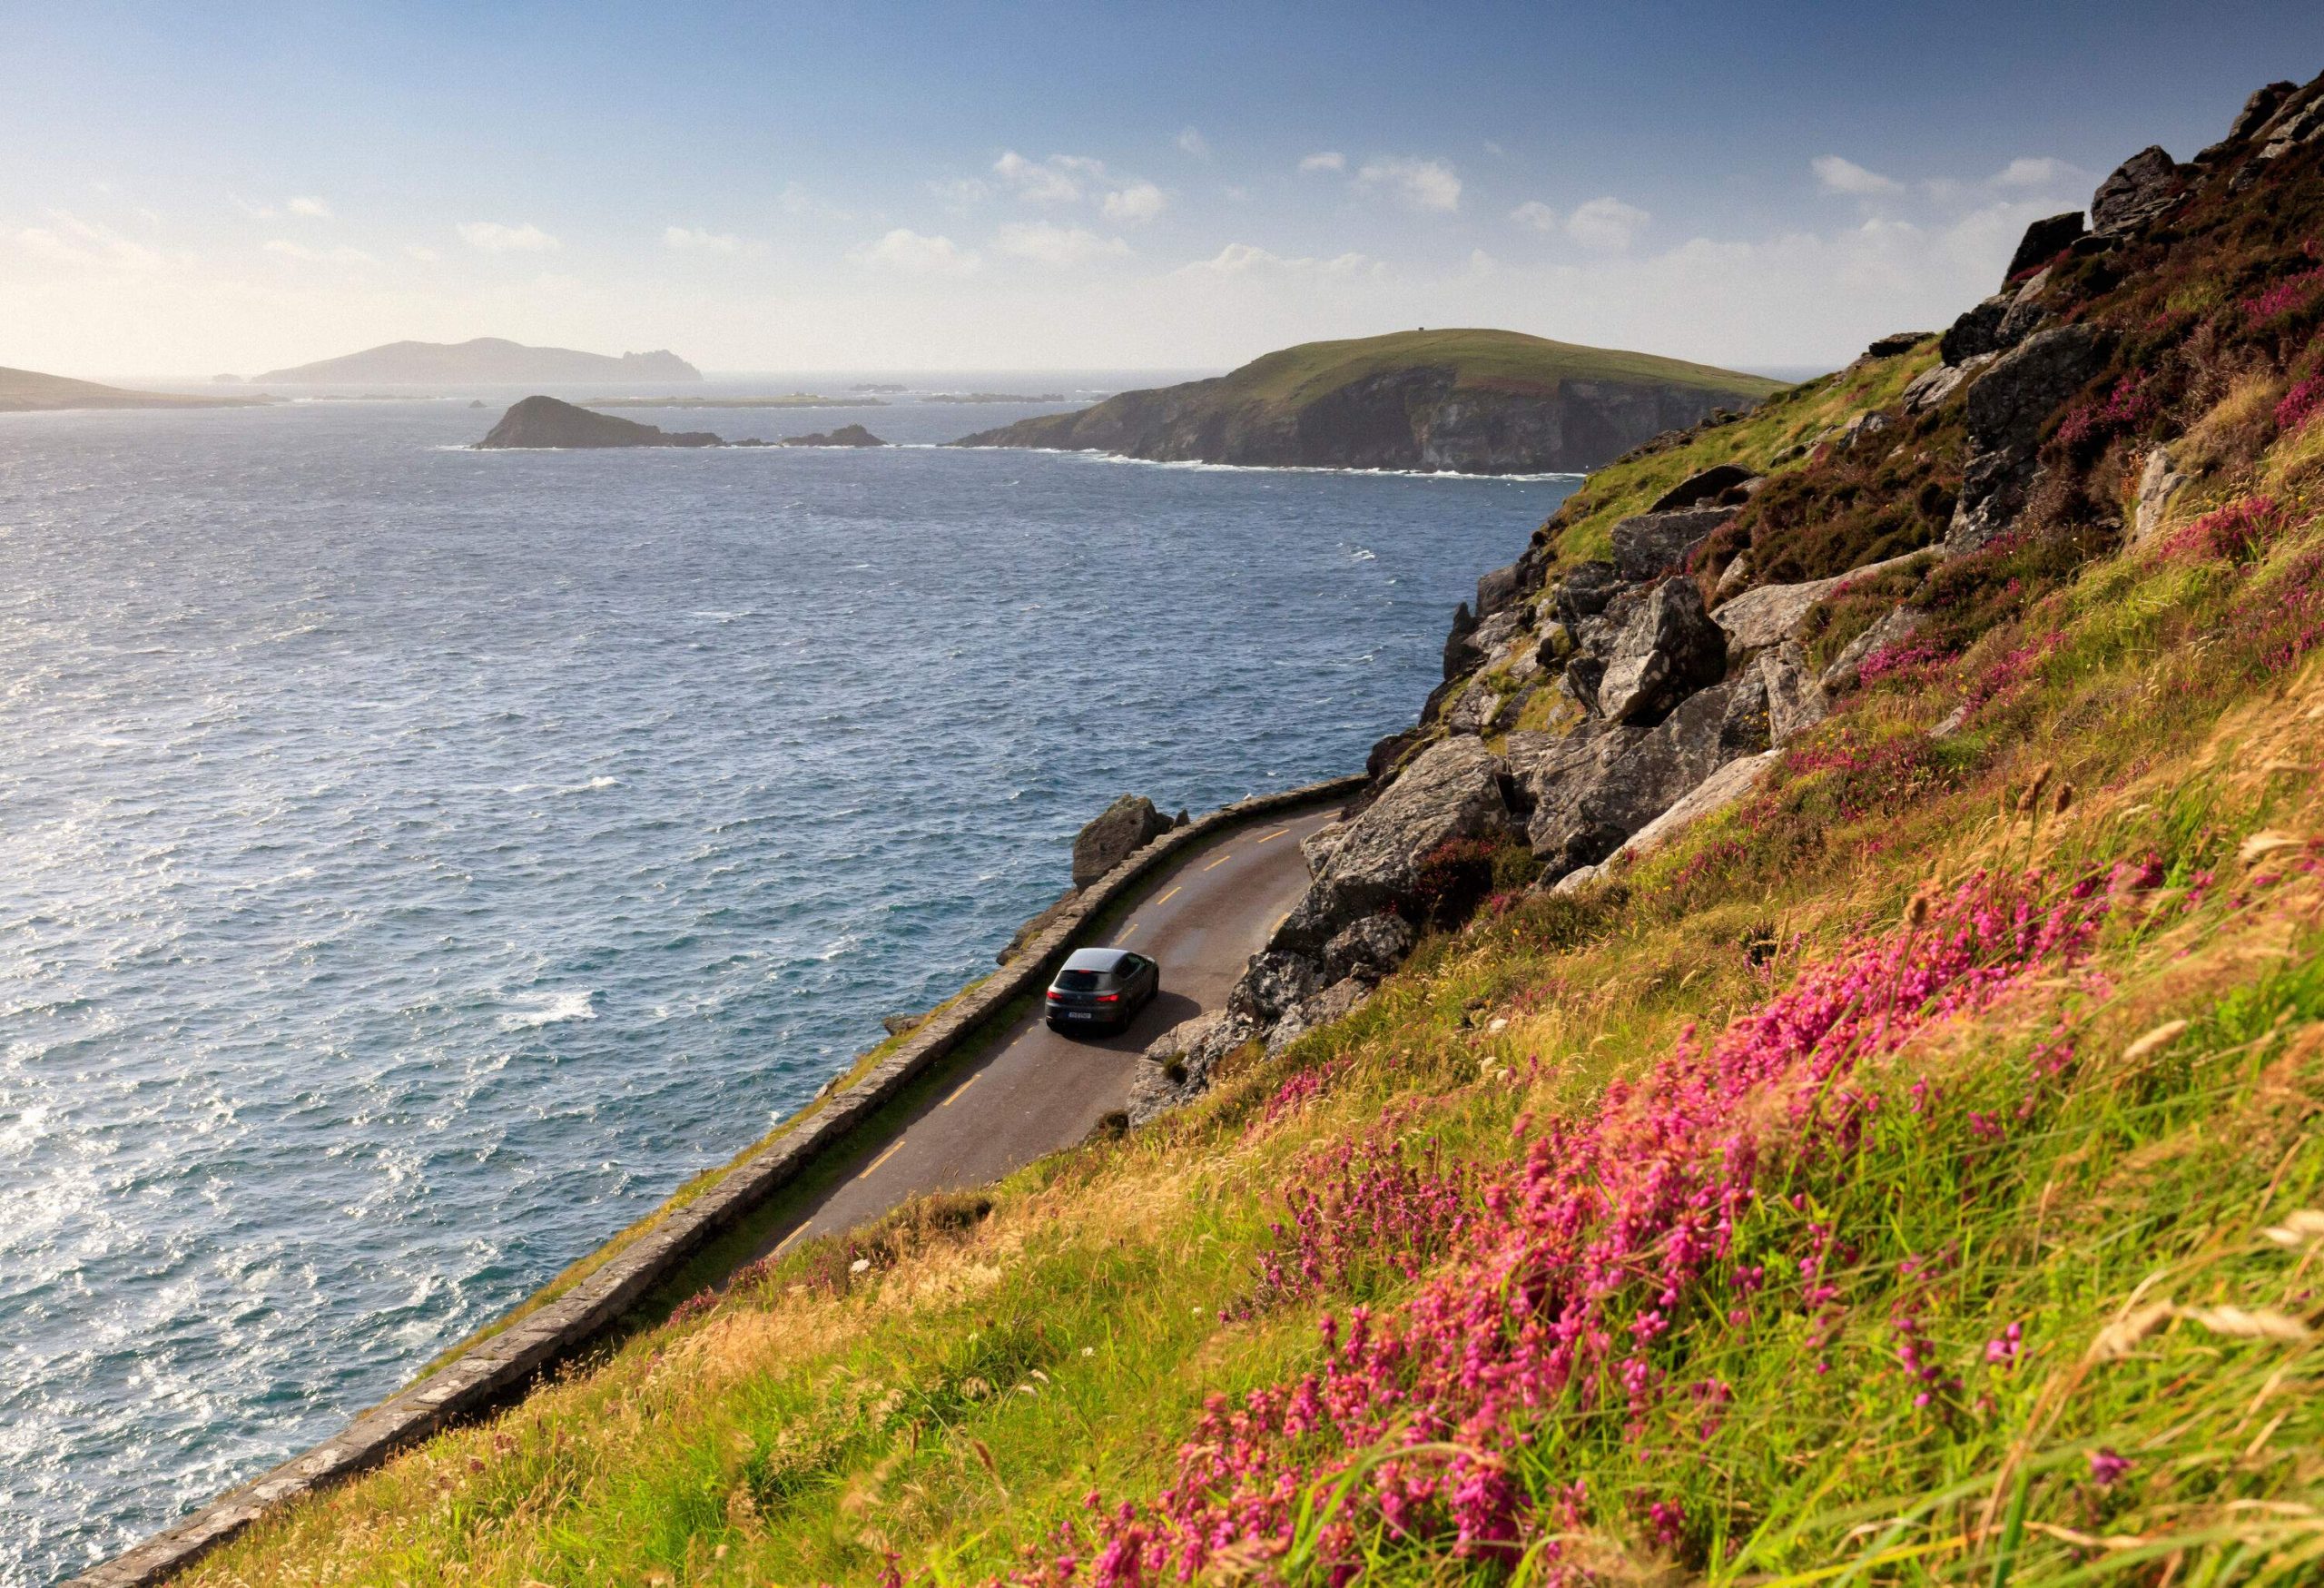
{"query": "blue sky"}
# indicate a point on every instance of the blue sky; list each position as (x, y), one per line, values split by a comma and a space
(813, 187)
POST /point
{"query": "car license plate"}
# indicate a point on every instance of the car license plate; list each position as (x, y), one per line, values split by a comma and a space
(1081, 1014)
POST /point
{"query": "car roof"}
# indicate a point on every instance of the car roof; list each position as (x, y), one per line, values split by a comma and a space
(1096, 959)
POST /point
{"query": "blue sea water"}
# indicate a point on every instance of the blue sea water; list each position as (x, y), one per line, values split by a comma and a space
(414, 863)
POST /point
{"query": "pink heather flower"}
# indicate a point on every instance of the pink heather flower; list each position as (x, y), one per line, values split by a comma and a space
(2299, 404)
(2237, 532)
(1540, 1284)
(2002, 1352)
(2106, 1468)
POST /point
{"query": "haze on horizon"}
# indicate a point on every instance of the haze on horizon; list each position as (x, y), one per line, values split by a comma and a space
(942, 188)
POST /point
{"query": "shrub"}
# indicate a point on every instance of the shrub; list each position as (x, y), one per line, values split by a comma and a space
(2237, 532)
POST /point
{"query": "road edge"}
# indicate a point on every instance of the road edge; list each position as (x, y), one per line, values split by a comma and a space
(495, 1365)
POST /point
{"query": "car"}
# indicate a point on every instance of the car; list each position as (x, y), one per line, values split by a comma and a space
(1101, 989)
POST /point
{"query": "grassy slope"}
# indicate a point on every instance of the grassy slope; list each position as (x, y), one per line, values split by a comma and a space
(27, 391)
(1947, 1180)
(1505, 359)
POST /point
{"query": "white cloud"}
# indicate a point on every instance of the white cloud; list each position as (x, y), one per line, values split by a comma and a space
(69, 239)
(1195, 144)
(1535, 216)
(1049, 182)
(1243, 259)
(1329, 159)
(2038, 171)
(1060, 247)
(1139, 202)
(698, 239)
(960, 193)
(493, 237)
(283, 249)
(1837, 175)
(312, 208)
(1423, 184)
(1606, 223)
(424, 256)
(911, 252)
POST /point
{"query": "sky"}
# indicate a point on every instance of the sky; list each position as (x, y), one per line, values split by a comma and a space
(197, 189)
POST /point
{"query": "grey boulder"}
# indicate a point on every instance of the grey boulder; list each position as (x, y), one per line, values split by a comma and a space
(1603, 800)
(1370, 949)
(1652, 543)
(1118, 831)
(1273, 983)
(1668, 651)
(1703, 486)
(1450, 790)
(1892, 630)
(2140, 190)
(2043, 241)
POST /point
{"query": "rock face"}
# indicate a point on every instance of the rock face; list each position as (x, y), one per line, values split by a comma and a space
(1710, 485)
(2043, 241)
(845, 436)
(1451, 790)
(1652, 543)
(1462, 401)
(1118, 831)
(1588, 807)
(1668, 651)
(2141, 189)
(2007, 407)
(544, 421)
(2158, 484)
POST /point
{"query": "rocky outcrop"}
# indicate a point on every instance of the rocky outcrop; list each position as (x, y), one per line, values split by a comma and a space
(1368, 950)
(1654, 543)
(1451, 790)
(1722, 483)
(1113, 835)
(845, 436)
(1179, 1062)
(2043, 241)
(2158, 484)
(2008, 405)
(1618, 785)
(1668, 651)
(2139, 191)
(544, 421)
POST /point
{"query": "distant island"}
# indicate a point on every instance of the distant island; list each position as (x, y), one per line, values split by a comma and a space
(483, 361)
(544, 421)
(28, 391)
(791, 399)
(1461, 402)
(995, 396)
(550, 423)
(890, 386)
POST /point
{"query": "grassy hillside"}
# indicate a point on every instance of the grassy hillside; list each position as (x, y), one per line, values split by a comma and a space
(26, 391)
(1912, 1175)
(1504, 360)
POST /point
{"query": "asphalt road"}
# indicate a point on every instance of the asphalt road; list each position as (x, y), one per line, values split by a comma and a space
(1036, 1090)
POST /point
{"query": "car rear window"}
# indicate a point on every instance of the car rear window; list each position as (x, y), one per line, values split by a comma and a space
(1078, 980)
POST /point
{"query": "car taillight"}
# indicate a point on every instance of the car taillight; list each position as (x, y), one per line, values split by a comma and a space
(1109, 997)
(1055, 996)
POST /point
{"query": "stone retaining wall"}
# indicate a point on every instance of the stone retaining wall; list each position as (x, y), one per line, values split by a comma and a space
(493, 1368)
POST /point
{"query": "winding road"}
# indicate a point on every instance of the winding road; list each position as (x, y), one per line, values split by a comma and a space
(1034, 1092)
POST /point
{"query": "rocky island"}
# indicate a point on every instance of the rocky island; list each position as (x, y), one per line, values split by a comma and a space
(544, 421)
(1458, 401)
(845, 436)
(481, 361)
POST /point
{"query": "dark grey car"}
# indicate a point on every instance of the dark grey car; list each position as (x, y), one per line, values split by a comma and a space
(1101, 989)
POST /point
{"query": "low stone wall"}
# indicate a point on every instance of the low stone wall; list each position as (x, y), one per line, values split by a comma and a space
(493, 1368)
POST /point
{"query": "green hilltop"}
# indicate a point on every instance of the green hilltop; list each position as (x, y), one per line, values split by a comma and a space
(1504, 360)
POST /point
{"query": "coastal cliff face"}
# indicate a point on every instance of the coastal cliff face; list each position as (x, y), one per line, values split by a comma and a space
(1460, 402)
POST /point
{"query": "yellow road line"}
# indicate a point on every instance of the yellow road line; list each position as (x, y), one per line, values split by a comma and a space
(1221, 861)
(956, 1090)
(1172, 893)
(1278, 833)
(871, 1167)
(1125, 931)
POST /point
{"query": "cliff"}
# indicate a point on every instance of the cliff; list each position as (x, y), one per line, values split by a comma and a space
(1460, 401)
(486, 361)
(26, 391)
(544, 421)
(1802, 1065)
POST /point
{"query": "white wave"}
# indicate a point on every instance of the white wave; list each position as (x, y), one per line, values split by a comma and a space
(1285, 468)
(1363, 554)
(549, 1009)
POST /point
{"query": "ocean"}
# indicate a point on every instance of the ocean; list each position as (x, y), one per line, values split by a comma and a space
(415, 862)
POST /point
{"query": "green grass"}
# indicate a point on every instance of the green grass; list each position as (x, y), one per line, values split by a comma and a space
(1505, 360)
(951, 1402)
